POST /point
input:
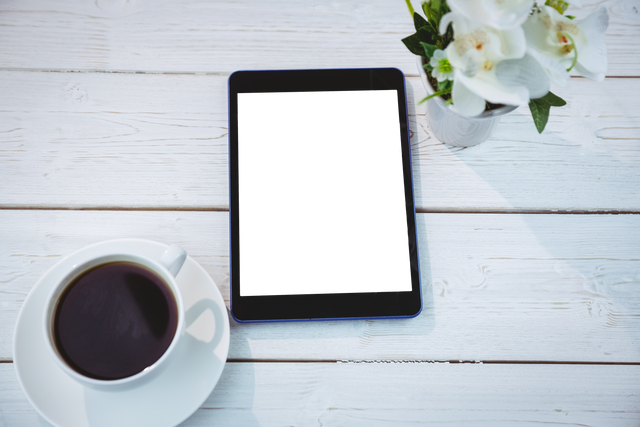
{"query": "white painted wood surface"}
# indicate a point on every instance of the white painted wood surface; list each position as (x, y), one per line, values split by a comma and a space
(70, 140)
(136, 136)
(383, 394)
(224, 36)
(495, 286)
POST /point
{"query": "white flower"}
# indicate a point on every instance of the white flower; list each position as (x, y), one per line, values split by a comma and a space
(442, 69)
(498, 14)
(490, 64)
(560, 39)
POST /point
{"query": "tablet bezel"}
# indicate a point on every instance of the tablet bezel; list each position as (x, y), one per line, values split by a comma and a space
(321, 306)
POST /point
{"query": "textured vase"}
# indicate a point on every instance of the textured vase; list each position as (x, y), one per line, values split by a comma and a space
(454, 129)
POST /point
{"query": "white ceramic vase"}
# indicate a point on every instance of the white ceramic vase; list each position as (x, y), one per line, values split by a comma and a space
(454, 129)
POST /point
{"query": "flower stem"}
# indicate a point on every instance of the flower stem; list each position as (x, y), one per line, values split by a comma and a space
(433, 95)
(575, 49)
(411, 11)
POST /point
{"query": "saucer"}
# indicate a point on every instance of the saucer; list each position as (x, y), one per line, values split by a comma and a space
(166, 400)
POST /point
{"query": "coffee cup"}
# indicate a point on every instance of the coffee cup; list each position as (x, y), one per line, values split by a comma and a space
(115, 320)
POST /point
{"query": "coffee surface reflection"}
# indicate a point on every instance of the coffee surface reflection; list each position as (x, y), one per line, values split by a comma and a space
(115, 320)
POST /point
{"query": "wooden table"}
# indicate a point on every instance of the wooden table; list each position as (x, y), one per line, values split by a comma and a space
(113, 123)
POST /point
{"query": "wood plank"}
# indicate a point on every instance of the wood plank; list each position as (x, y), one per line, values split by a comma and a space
(224, 36)
(495, 286)
(78, 140)
(279, 394)
(103, 140)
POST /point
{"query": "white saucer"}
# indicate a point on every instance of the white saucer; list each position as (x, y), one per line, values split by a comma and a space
(166, 400)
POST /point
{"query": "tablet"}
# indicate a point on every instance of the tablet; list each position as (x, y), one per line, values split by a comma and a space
(322, 218)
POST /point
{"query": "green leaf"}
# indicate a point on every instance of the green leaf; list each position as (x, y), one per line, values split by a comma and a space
(419, 21)
(427, 67)
(445, 85)
(444, 8)
(413, 44)
(553, 100)
(438, 8)
(448, 36)
(426, 34)
(427, 30)
(426, 8)
(434, 5)
(540, 109)
(428, 49)
(570, 17)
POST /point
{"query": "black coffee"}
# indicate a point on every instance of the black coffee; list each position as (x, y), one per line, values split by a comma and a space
(115, 320)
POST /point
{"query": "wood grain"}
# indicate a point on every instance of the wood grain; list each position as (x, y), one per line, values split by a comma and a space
(381, 394)
(95, 140)
(539, 298)
(495, 286)
(224, 36)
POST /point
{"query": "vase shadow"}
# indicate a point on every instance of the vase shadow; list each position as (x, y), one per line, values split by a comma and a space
(595, 276)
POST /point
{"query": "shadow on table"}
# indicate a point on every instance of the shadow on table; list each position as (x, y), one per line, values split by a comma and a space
(347, 339)
(594, 275)
(231, 402)
(337, 339)
(181, 385)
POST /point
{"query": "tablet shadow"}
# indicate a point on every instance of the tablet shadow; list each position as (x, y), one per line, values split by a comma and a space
(340, 339)
(350, 339)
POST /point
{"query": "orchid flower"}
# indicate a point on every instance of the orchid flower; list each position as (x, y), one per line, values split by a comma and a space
(560, 44)
(441, 67)
(490, 64)
(498, 14)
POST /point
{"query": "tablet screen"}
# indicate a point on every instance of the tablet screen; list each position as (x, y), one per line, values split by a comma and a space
(321, 196)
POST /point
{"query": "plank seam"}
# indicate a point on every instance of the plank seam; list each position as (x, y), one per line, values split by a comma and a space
(87, 71)
(400, 361)
(427, 361)
(418, 210)
(533, 211)
(114, 208)
(198, 73)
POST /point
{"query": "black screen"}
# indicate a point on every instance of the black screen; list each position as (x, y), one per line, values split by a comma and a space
(321, 193)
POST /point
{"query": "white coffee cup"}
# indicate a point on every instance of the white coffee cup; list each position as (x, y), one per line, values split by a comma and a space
(167, 267)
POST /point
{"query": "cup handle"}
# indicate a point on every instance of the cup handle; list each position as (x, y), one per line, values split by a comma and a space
(173, 259)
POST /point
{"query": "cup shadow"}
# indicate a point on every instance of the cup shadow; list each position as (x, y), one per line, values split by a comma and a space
(179, 389)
